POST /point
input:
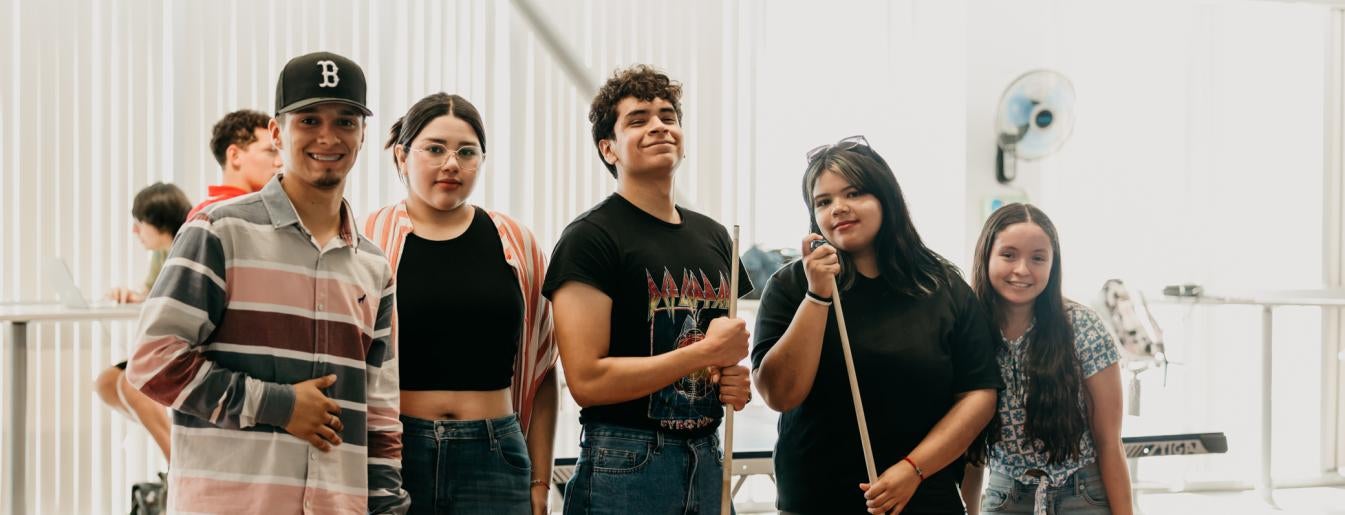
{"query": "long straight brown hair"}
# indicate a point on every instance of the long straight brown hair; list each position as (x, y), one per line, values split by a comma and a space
(905, 264)
(1054, 374)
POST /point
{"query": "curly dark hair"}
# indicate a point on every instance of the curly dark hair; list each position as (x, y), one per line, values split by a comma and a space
(641, 81)
(1055, 391)
(236, 128)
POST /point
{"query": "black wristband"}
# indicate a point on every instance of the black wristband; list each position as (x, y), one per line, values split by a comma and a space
(819, 297)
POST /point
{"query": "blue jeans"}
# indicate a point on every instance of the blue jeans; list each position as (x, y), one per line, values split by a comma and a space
(466, 467)
(1082, 494)
(624, 471)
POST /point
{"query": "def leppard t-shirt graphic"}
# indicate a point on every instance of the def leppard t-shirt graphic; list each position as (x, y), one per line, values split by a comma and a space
(667, 282)
(680, 311)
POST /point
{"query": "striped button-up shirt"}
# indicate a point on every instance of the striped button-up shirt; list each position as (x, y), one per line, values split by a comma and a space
(247, 305)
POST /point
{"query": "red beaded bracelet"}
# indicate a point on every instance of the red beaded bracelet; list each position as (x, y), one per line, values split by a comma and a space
(918, 472)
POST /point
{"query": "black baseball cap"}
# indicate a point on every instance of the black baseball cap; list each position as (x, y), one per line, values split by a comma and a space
(320, 77)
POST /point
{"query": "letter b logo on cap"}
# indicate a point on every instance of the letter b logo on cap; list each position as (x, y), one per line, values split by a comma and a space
(337, 79)
(329, 77)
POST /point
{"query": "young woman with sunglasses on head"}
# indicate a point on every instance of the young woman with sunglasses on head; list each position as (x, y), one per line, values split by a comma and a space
(1055, 446)
(922, 347)
(478, 390)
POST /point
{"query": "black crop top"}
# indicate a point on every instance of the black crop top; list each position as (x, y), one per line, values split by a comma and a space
(459, 311)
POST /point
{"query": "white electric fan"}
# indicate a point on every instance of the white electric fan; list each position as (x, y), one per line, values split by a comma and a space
(1035, 116)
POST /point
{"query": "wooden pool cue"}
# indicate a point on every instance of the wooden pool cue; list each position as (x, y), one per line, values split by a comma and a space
(854, 382)
(726, 494)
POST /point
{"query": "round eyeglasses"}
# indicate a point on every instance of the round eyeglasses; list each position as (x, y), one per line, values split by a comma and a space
(436, 155)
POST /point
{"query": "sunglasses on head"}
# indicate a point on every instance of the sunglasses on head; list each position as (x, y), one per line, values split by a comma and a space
(849, 143)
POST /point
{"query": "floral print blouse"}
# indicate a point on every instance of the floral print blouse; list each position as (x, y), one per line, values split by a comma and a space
(1013, 454)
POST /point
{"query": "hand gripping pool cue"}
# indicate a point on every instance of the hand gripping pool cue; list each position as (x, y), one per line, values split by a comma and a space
(726, 494)
(850, 371)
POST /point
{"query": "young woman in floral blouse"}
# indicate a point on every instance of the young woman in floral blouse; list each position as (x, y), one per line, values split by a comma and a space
(1055, 445)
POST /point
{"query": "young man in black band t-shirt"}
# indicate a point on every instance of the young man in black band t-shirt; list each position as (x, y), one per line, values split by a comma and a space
(640, 292)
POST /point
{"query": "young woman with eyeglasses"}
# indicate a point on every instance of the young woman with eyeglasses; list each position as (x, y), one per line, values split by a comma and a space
(922, 346)
(478, 391)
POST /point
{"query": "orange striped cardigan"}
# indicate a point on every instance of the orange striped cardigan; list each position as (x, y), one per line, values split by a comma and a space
(388, 228)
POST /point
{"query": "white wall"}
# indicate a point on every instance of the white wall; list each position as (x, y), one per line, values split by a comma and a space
(891, 71)
(1188, 138)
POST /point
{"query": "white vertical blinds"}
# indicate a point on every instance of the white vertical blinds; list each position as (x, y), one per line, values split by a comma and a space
(99, 98)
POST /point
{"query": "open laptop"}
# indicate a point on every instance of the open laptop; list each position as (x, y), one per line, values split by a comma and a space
(58, 273)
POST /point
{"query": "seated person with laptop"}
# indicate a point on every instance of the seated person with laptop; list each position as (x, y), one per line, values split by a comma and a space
(159, 210)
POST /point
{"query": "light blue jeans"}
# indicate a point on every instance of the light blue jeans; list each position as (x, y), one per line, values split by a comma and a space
(1082, 494)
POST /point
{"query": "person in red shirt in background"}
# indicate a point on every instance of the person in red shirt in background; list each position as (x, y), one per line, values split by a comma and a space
(241, 143)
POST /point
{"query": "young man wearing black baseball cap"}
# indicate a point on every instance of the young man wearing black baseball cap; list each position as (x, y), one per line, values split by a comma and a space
(269, 332)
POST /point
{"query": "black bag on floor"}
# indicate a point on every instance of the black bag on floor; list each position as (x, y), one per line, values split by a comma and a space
(150, 498)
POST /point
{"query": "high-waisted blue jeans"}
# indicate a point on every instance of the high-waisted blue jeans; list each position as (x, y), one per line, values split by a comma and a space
(466, 467)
